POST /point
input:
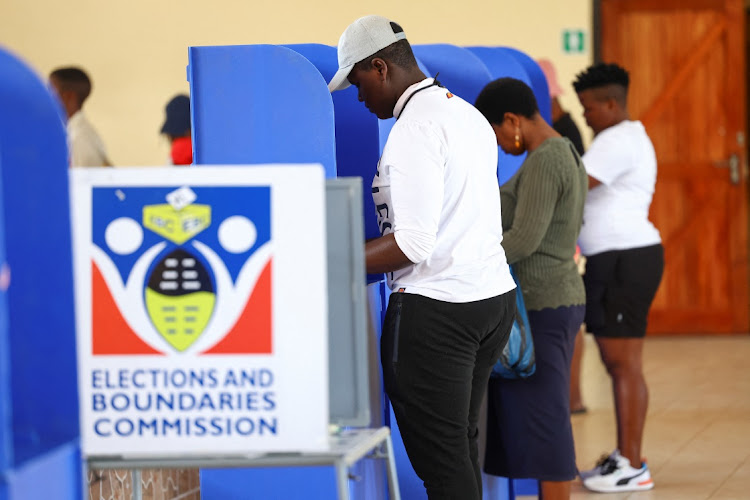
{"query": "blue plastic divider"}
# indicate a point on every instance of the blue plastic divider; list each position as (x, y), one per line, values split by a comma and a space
(462, 72)
(259, 104)
(38, 382)
(360, 137)
(357, 131)
(500, 64)
(538, 81)
(55, 474)
(291, 104)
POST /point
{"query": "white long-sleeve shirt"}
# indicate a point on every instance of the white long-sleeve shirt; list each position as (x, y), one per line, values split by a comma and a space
(436, 190)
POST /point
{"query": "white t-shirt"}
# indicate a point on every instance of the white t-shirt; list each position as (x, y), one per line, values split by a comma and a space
(436, 190)
(86, 147)
(615, 216)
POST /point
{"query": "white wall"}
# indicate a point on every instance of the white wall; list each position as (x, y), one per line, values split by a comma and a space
(136, 50)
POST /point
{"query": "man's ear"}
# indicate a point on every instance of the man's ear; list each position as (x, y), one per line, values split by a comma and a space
(612, 104)
(381, 67)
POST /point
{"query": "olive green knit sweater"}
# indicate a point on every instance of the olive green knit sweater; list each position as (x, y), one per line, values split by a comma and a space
(542, 209)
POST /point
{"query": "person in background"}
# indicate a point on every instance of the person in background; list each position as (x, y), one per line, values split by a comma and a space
(177, 129)
(625, 262)
(529, 434)
(561, 119)
(453, 299)
(73, 86)
(566, 127)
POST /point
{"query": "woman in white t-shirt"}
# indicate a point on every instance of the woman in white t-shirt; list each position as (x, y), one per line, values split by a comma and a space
(625, 262)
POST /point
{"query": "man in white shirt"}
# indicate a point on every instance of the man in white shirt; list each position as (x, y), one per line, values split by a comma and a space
(624, 266)
(73, 87)
(435, 190)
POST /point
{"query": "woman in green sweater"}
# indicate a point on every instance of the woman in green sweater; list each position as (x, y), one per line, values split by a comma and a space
(529, 433)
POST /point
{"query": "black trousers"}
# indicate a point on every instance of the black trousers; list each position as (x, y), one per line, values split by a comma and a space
(437, 358)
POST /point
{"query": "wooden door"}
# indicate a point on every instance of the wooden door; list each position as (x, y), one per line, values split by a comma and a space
(688, 86)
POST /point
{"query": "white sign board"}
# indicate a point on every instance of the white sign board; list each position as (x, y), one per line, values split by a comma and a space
(201, 309)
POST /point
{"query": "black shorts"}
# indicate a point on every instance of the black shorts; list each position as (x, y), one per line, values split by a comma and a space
(620, 286)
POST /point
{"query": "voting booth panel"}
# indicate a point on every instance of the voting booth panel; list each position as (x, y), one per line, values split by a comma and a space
(502, 64)
(458, 69)
(38, 398)
(256, 104)
(350, 375)
(538, 80)
(212, 79)
(356, 131)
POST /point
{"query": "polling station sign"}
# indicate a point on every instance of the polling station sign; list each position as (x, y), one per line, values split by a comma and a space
(201, 309)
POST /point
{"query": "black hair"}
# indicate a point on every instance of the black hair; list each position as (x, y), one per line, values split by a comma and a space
(602, 75)
(73, 79)
(398, 53)
(506, 95)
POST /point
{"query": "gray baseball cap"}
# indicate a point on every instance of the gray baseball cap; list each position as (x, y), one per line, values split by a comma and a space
(363, 38)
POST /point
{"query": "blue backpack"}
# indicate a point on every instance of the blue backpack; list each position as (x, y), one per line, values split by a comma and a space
(517, 359)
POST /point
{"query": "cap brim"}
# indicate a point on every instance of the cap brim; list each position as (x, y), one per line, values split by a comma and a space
(339, 81)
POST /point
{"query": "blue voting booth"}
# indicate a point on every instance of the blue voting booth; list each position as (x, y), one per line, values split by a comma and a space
(537, 78)
(250, 109)
(39, 452)
(501, 64)
(294, 89)
(357, 137)
(357, 131)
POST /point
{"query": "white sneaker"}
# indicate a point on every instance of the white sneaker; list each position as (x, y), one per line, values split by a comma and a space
(603, 461)
(616, 474)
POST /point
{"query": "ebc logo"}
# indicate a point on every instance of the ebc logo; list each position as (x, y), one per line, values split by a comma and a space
(181, 271)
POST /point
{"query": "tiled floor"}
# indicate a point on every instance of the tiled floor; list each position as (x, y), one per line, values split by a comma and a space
(697, 440)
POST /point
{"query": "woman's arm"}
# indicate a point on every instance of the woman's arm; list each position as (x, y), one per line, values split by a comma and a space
(537, 194)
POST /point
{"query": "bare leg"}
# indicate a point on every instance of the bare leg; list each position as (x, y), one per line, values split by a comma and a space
(576, 401)
(623, 359)
(554, 490)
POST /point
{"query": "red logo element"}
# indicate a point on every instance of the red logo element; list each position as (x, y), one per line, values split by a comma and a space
(448, 95)
(252, 331)
(251, 334)
(111, 334)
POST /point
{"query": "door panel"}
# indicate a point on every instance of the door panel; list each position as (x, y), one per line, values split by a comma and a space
(687, 67)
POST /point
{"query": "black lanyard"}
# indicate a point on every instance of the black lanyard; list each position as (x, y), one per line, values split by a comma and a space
(435, 83)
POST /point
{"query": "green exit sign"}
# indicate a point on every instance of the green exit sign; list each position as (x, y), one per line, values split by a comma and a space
(573, 41)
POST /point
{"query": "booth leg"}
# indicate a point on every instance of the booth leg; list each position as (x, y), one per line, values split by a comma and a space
(342, 480)
(137, 485)
(391, 464)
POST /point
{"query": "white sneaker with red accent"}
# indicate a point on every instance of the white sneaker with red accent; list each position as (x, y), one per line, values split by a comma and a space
(616, 475)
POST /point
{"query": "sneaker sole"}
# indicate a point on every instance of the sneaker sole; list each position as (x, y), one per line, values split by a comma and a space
(642, 486)
(587, 474)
